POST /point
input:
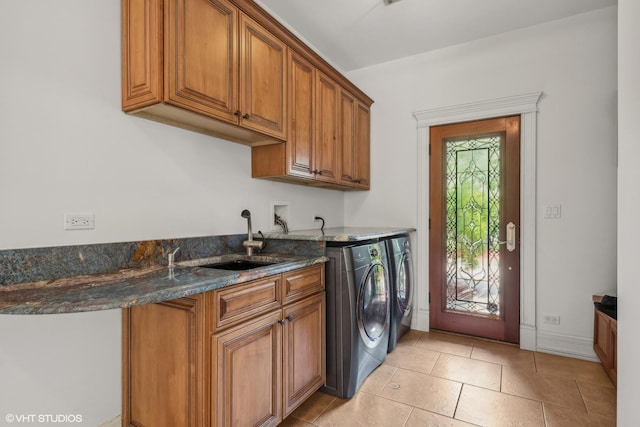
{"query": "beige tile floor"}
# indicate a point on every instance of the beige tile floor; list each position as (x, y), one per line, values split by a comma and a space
(438, 379)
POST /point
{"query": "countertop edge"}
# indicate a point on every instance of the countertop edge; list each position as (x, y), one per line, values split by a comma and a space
(179, 282)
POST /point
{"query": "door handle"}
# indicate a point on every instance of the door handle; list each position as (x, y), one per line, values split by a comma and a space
(511, 237)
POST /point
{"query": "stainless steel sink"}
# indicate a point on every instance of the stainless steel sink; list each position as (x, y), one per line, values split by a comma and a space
(238, 265)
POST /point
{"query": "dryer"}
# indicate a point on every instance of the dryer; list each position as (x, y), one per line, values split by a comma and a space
(401, 271)
(358, 314)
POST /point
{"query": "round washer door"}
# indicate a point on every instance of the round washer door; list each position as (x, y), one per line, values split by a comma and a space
(404, 279)
(373, 305)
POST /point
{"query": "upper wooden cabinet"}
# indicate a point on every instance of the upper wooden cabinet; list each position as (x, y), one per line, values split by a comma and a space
(328, 140)
(300, 144)
(362, 158)
(190, 61)
(326, 143)
(354, 139)
(227, 68)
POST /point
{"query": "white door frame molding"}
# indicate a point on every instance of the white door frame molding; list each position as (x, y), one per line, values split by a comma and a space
(526, 106)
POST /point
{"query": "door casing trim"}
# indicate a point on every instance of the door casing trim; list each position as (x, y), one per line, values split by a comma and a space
(525, 105)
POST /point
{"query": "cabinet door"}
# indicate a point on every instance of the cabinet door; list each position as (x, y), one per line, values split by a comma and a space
(613, 351)
(163, 364)
(304, 350)
(246, 388)
(263, 64)
(202, 57)
(326, 150)
(346, 138)
(141, 53)
(362, 147)
(299, 146)
(601, 336)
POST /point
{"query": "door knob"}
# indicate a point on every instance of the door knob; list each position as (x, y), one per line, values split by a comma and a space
(511, 237)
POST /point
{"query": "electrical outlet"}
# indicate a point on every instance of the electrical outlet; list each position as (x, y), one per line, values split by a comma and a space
(552, 319)
(79, 221)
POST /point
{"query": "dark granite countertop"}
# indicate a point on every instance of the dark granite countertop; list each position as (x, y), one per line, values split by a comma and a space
(341, 234)
(69, 279)
(137, 286)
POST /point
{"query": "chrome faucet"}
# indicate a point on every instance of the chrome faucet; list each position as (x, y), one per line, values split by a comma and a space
(250, 244)
(171, 256)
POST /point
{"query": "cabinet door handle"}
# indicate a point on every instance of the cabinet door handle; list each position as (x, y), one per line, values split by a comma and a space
(319, 172)
(246, 116)
(290, 318)
(237, 113)
(281, 322)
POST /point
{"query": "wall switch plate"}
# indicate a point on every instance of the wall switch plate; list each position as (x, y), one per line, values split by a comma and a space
(79, 221)
(553, 211)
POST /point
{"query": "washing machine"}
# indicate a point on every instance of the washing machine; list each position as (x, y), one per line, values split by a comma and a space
(358, 314)
(401, 272)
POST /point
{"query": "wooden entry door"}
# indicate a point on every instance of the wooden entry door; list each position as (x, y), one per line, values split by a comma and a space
(474, 236)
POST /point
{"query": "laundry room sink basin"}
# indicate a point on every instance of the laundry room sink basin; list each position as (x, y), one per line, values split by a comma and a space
(238, 265)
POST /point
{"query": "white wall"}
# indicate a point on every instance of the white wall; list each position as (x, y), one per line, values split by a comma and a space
(573, 62)
(628, 207)
(65, 146)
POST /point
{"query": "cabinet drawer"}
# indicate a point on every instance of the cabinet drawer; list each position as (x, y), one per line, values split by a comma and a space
(300, 283)
(237, 303)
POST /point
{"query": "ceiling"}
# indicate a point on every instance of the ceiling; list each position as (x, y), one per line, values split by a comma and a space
(354, 34)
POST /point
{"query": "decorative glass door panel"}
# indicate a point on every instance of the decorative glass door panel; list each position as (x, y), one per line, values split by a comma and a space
(474, 257)
(473, 224)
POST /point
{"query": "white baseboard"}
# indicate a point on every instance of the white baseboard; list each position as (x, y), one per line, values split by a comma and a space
(528, 337)
(533, 339)
(116, 422)
(420, 320)
(566, 345)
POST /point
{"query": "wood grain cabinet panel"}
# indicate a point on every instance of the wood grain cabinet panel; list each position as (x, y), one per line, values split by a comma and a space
(362, 149)
(234, 304)
(164, 373)
(226, 68)
(262, 80)
(347, 135)
(300, 283)
(236, 356)
(326, 125)
(247, 373)
(206, 66)
(354, 130)
(304, 350)
(202, 58)
(605, 343)
(299, 146)
(328, 140)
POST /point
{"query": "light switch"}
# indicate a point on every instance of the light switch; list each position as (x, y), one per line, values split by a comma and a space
(553, 211)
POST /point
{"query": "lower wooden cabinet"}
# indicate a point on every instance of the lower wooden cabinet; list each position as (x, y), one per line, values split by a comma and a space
(183, 366)
(605, 343)
(164, 371)
(246, 374)
(303, 351)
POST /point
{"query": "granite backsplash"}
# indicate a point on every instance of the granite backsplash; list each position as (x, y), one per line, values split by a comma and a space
(50, 263)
